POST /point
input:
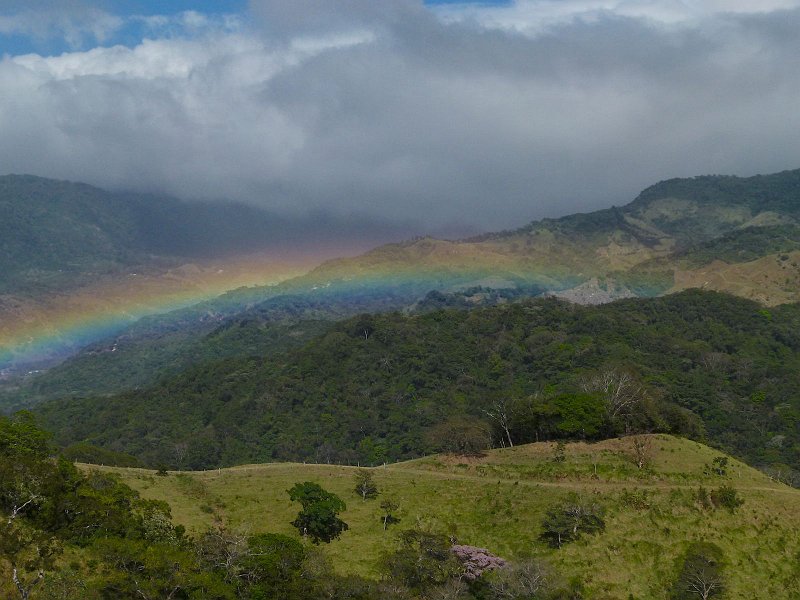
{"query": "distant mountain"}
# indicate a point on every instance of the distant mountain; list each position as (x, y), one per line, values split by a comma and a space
(58, 234)
(78, 263)
(652, 245)
(739, 235)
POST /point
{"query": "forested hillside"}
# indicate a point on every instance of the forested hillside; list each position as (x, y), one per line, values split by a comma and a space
(380, 387)
(58, 234)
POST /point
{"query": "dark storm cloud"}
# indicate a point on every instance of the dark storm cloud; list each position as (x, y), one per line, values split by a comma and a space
(489, 118)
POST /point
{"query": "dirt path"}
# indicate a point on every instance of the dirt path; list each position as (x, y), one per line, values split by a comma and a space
(660, 485)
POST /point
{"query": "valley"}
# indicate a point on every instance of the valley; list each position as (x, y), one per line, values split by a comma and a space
(636, 366)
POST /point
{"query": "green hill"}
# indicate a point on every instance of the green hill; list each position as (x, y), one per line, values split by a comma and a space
(375, 387)
(498, 502)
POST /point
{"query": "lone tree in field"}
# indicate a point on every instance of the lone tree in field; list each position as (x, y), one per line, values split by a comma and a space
(319, 519)
(641, 450)
(567, 521)
(365, 485)
(389, 507)
(701, 575)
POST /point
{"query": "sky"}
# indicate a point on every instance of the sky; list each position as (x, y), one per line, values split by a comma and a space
(458, 116)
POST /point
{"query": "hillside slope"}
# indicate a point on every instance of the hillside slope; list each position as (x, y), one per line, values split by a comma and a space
(664, 222)
(498, 502)
(374, 386)
(78, 264)
(737, 235)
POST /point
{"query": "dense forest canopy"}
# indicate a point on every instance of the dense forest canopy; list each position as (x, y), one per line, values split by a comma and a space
(372, 387)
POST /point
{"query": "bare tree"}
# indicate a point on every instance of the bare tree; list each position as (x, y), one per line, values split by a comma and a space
(622, 391)
(701, 576)
(527, 579)
(703, 583)
(180, 449)
(223, 549)
(501, 412)
(641, 450)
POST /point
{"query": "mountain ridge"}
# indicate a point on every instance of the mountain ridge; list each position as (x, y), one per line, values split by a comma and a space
(611, 253)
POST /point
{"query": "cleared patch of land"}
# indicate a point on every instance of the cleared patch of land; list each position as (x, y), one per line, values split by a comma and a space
(498, 501)
(771, 280)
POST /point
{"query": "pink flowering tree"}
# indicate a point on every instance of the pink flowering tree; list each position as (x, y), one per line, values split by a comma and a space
(477, 561)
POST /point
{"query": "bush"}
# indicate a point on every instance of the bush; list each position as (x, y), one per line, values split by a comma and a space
(567, 521)
(726, 497)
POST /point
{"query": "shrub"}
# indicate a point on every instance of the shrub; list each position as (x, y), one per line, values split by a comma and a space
(726, 497)
(567, 521)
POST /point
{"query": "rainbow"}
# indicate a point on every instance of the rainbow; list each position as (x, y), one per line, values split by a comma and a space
(43, 331)
(53, 329)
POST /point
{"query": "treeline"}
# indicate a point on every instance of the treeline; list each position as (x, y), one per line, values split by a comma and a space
(374, 387)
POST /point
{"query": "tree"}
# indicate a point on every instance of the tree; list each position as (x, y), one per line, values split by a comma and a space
(319, 517)
(422, 561)
(581, 414)
(565, 522)
(29, 552)
(272, 565)
(532, 578)
(622, 391)
(27, 477)
(389, 507)
(464, 436)
(501, 412)
(222, 549)
(701, 573)
(365, 485)
(146, 571)
(641, 450)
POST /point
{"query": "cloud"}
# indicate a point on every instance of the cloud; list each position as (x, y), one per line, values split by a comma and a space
(488, 117)
(537, 16)
(75, 21)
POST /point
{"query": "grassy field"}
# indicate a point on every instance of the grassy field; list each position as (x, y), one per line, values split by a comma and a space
(498, 502)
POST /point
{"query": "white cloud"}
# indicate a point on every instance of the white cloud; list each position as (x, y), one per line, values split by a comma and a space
(537, 16)
(382, 107)
(75, 27)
